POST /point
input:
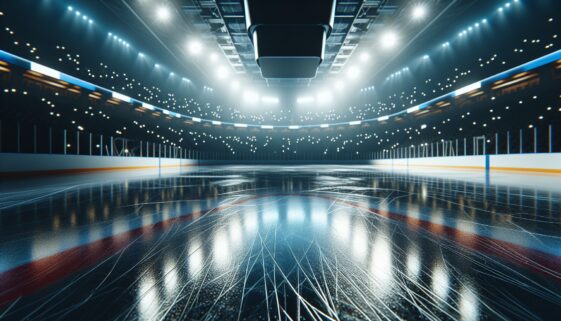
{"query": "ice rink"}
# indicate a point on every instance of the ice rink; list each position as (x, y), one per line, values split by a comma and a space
(282, 243)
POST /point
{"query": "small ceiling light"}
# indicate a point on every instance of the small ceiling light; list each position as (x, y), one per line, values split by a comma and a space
(163, 13)
(419, 12)
(364, 57)
(389, 40)
(353, 72)
(195, 47)
(339, 85)
(222, 72)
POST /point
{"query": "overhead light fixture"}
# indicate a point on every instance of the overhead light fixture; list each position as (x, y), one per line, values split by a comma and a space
(195, 47)
(222, 72)
(270, 100)
(353, 72)
(324, 97)
(235, 85)
(305, 100)
(251, 97)
(364, 57)
(389, 40)
(419, 12)
(339, 85)
(163, 13)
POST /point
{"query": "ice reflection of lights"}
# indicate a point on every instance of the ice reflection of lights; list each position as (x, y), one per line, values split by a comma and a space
(296, 211)
(440, 281)
(466, 226)
(149, 300)
(319, 212)
(270, 214)
(381, 266)
(469, 304)
(195, 258)
(221, 249)
(413, 212)
(413, 263)
(437, 217)
(424, 192)
(119, 226)
(235, 232)
(341, 225)
(170, 276)
(250, 219)
(44, 245)
(147, 219)
(360, 241)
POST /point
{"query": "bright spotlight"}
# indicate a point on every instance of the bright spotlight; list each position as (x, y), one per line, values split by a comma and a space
(305, 100)
(324, 97)
(339, 85)
(195, 47)
(222, 72)
(251, 97)
(364, 57)
(389, 40)
(163, 13)
(270, 99)
(353, 72)
(419, 12)
(213, 57)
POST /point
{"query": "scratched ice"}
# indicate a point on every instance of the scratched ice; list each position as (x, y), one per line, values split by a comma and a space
(288, 243)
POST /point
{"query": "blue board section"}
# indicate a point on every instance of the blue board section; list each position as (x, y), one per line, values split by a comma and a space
(15, 60)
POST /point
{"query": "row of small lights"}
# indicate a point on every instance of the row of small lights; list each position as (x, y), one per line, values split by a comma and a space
(79, 14)
(114, 37)
(461, 34)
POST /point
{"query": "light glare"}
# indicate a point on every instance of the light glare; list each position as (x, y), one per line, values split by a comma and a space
(163, 13)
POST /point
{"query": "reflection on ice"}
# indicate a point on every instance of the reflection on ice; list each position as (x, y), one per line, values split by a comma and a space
(381, 265)
(221, 249)
(270, 213)
(250, 219)
(319, 212)
(148, 297)
(341, 225)
(195, 258)
(468, 304)
(360, 240)
(295, 211)
(413, 263)
(440, 281)
(170, 276)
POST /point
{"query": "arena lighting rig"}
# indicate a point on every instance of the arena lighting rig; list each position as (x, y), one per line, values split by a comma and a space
(52, 73)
